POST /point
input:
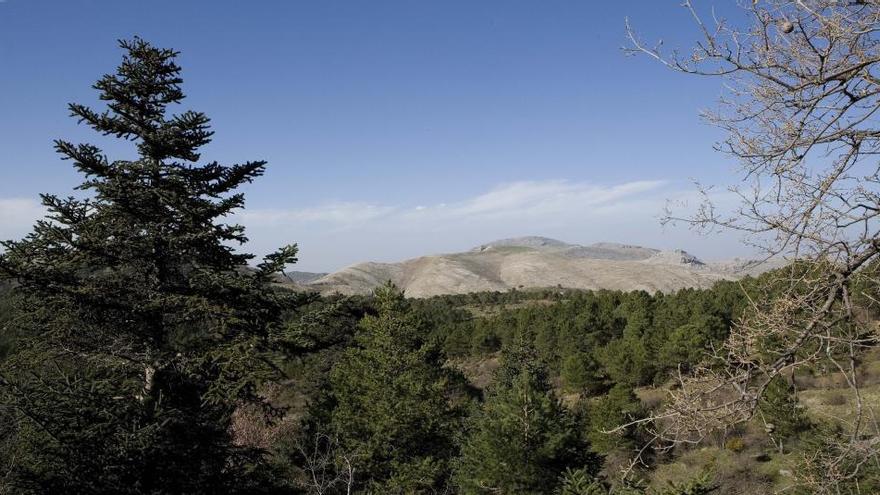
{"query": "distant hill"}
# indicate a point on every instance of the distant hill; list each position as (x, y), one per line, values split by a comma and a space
(538, 262)
(303, 277)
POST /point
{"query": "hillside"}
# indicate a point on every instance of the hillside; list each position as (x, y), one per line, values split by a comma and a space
(298, 277)
(536, 262)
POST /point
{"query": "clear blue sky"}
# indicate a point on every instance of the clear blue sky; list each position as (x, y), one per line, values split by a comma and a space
(391, 128)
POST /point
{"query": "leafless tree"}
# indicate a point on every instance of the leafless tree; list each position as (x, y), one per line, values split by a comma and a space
(327, 468)
(802, 92)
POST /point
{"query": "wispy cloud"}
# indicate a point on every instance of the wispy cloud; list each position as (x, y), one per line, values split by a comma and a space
(530, 199)
(17, 216)
(331, 213)
(538, 198)
(336, 234)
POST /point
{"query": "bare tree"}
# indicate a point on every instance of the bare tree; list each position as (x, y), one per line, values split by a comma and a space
(327, 468)
(802, 81)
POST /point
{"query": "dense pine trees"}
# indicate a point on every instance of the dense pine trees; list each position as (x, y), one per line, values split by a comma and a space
(397, 409)
(522, 439)
(141, 331)
(593, 340)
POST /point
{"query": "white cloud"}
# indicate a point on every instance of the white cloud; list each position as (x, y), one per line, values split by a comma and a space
(18, 215)
(332, 213)
(537, 199)
(512, 200)
(334, 235)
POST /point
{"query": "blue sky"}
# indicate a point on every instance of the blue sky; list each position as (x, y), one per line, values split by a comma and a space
(392, 128)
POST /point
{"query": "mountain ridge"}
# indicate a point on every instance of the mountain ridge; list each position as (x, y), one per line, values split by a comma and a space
(538, 262)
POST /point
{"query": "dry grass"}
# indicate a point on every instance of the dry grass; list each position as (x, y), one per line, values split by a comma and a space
(836, 404)
(736, 473)
(652, 397)
(478, 371)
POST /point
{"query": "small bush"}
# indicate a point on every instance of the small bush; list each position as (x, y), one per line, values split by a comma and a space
(835, 399)
(652, 398)
(735, 444)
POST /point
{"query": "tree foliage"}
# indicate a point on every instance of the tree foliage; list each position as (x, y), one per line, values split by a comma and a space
(522, 439)
(782, 415)
(396, 408)
(141, 329)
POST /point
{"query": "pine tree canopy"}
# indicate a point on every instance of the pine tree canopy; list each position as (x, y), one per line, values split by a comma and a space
(523, 439)
(397, 407)
(143, 327)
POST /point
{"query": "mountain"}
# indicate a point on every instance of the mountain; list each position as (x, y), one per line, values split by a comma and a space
(303, 277)
(534, 242)
(537, 262)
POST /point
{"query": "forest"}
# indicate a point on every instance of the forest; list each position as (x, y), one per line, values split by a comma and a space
(522, 391)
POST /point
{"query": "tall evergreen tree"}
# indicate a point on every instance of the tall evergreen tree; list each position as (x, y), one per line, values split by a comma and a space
(523, 439)
(143, 331)
(397, 408)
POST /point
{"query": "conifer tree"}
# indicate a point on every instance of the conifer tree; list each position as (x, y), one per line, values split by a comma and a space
(618, 407)
(580, 482)
(689, 344)
(522, 440)
(580, 372)
(782, 415)
(397, 409)
(142, 330)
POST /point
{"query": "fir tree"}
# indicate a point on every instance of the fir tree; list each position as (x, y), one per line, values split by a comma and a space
(689, 344)
(580, 482)
(142, 331)
(396, 407)
(581, 373)
(782, 414)
(618, 407)
(522, 440)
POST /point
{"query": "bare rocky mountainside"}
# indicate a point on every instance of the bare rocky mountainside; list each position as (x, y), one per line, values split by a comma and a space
(302, 277)
(537, 262)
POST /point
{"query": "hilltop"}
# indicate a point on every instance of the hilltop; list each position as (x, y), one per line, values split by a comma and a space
(538, 262)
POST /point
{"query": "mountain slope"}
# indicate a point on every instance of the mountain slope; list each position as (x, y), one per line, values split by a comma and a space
(303, 277)
(535, 262)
